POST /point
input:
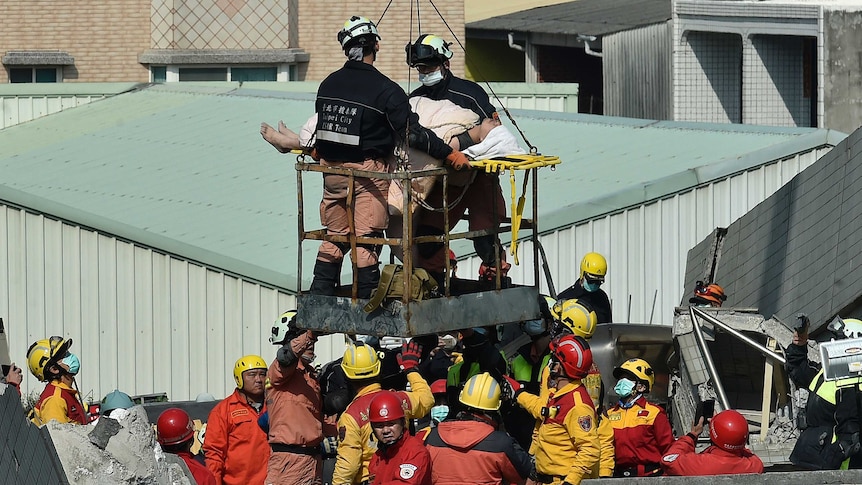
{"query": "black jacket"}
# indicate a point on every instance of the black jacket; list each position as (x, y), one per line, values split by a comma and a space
(363, 114)
(598, 300)
(462, 92)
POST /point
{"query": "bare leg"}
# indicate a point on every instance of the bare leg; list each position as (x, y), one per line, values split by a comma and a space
(283, 139)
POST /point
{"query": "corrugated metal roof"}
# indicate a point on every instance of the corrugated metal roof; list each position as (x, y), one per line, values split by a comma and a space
(182, 168)
(588, 17)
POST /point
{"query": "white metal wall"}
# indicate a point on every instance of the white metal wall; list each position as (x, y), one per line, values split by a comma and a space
(140, 320)
(637, 72)
(646, 246)
(18, 109)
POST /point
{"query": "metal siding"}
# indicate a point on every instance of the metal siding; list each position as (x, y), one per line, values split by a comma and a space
(18, 109)
(647, 245)
(637, 72)
(141, 320)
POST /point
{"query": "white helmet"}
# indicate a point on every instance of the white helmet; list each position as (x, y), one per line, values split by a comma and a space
(428, 49)
(848, 327)
(356, 30)
(284, 329)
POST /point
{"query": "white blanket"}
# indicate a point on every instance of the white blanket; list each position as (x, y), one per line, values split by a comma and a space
(499, 142)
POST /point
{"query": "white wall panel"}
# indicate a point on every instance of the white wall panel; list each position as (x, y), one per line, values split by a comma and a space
(647, 245)
(18, 109)
(141, 321)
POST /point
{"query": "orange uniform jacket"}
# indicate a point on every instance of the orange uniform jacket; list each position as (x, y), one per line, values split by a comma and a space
(295, 406)
(642, 434)
(235, 447)
(406, 462)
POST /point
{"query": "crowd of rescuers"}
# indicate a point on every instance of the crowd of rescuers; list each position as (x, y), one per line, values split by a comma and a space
(435, 409)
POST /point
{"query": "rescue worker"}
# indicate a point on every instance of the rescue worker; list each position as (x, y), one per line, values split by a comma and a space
(13, 377)
(114, 400)
(728, 432)
(400, 458)
(361, 365)
(295, 407)
(50, 361)
(830, 427)
(479, 355)
(641, 429)
(587, 288)
(483, 199)
(175, 432)
(567, 447)
(362, 117)
(710, 295)
(470, 448)
(236, 449)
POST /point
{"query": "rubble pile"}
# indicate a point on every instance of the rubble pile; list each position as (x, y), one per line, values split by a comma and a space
(118, 450)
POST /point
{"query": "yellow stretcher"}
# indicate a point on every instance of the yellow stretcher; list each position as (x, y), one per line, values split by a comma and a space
(513, 163)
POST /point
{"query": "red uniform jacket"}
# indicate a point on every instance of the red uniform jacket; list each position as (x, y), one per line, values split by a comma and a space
(406, 461)
(465, 451)
(236, 449)
(681, 459)
(200, 473)
(642, 434)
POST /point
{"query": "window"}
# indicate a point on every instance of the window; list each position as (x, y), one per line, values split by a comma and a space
(161, 74)
(33, 75)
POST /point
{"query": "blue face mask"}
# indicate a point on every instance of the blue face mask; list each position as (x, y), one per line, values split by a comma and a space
(439, 413)
(591, 287)
(534, 327)
(431, 78)
(72, 362)
(624, 387)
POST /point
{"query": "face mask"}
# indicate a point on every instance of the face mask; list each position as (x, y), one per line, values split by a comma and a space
(534, 327)
(439, 413)
(73, 363)
(591, 287)
(624, 387)
(431, 78)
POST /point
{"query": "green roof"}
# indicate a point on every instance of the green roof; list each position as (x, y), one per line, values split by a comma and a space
(182, 168)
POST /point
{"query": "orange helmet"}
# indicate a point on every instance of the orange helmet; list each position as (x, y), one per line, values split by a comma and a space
(708, 294)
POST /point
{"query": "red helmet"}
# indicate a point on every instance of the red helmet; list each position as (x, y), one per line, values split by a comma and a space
(174, 426)
(729, 430)
(438, 386)
(574, 354)
(386, 406)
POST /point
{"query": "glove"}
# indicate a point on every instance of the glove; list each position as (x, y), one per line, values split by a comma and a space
(458, 160)
(511, 388)
(329, 445)
(409, 357)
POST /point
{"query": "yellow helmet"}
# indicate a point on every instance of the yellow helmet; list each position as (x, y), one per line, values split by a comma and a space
(45, 353)
(579, 318)
(360, 362)
(595, 265)
(248, 362)
(481, 392)
(640, 368)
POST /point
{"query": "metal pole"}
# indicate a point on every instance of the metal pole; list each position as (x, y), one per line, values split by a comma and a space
(707, 357)
(741, 336)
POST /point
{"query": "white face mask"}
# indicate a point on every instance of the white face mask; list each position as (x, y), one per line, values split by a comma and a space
(431, 78)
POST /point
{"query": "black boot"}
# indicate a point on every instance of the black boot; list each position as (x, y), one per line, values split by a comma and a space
(326, 277)
(367, 280)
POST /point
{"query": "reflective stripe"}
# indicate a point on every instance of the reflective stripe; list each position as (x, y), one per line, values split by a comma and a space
(341, 138)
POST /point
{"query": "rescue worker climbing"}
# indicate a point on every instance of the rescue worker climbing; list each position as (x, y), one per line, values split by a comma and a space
(400, 458)
(567, 448)
(470, 447)
(587, 288)
(483, 198)
(362, 117)
(356, 445)
(728, 432)
(830, 431)
(295, 407)
(641, 429)
(50, 361)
